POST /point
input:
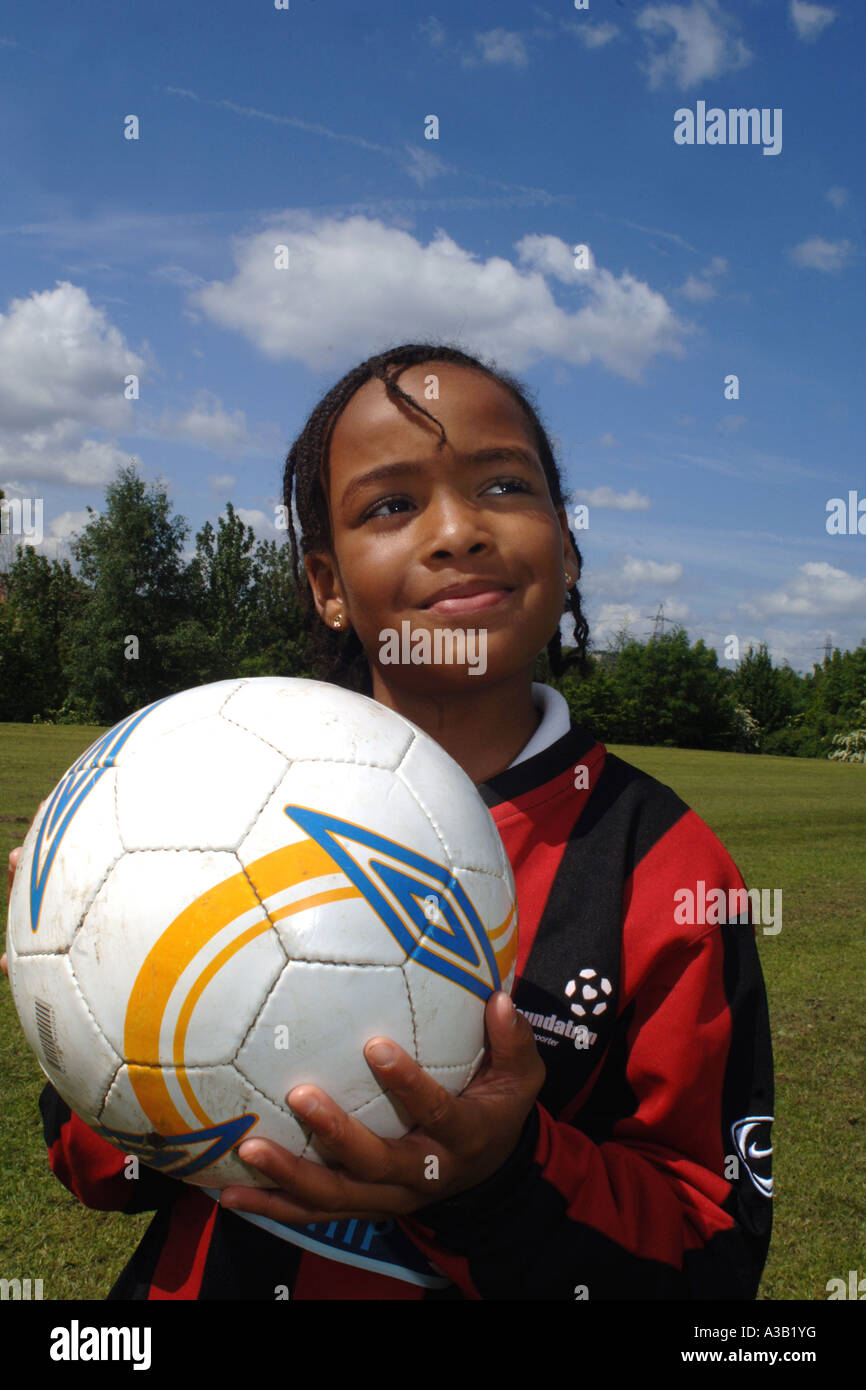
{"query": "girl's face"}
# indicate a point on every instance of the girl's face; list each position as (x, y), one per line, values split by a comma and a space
(409, 519)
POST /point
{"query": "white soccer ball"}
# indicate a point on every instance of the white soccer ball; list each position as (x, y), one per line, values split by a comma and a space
(229, 894)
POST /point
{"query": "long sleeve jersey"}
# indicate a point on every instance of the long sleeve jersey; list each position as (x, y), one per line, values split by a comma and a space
(643, 1169)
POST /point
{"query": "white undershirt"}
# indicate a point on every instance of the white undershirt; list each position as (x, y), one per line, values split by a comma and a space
(555, 721)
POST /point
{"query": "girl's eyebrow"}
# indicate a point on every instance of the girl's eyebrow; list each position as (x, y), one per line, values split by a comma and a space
(411, 467)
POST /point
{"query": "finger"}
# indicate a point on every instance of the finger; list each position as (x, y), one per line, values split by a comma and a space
(512, 1041)
(310, 1187)
(423, 1099)
(14, 856)
(3, 966)
(278, 1207)
(351, 1143)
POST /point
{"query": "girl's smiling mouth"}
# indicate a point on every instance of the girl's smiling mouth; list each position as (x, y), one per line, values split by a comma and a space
(469, 597)
(470, 603)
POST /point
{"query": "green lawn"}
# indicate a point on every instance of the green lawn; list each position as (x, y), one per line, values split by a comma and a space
(793, 824)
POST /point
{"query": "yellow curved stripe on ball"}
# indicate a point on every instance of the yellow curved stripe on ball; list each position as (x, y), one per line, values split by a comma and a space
(178, 946)
(333, 895)
(201, 984)
(505, 950)
(225, 955)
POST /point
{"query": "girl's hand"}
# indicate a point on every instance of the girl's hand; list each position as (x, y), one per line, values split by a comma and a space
(14, 856)
(469, 1136)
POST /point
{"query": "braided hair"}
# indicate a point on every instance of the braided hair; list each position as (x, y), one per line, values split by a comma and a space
(340, 658)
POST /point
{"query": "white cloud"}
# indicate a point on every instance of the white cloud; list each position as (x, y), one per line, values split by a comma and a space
(499, 46)
(60, 531)
(817, 590)
(62, 370)
(674, 610)
(703, 44)
(605, 497)
(207, 425)
(423, 165)
(177, 275)
(432, 31)
(62, 376)
(837, 196)
(697, 290)
(612, 618)
(594, 35)
(356, 286)
(63, 526)
(60, 360)
(810, 20)
(730, 424)
(553, 257)
(699, 287)
(222, 482)
(608, 440)
(262, 523)
(650, 572)
(817, 254)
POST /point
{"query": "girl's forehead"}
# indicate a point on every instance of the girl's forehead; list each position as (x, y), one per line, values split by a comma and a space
(460, 398)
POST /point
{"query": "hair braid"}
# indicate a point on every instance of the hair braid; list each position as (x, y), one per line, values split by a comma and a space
(340, 658)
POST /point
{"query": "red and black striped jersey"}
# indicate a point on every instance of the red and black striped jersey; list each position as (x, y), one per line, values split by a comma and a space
(643, 1170)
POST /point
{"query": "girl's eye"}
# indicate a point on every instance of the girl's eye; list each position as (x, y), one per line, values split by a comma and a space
(386, 502)
(519, 483)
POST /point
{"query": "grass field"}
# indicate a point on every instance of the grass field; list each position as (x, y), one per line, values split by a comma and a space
(793, 824)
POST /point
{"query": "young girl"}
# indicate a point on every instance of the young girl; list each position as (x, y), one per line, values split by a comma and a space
(615, 1146)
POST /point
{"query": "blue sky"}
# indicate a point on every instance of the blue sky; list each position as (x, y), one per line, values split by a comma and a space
(306, 126)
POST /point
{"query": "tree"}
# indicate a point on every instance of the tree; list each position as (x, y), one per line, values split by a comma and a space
(244, 619)
(221, 575)
(674, 694)
(130, 559)
(277, 636)
(850, 747)
(42, 602)
(760, 688)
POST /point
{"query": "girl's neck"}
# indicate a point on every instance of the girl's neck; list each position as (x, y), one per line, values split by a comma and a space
(482, 730)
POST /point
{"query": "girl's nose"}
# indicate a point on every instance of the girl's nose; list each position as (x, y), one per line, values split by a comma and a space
(456, 525)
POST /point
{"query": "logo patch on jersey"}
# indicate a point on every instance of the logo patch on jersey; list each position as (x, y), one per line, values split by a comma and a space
(553, 1028)
(752, 1141)
(593, 993)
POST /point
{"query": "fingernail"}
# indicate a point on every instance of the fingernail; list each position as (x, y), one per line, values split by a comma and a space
(304, 1105)
(381, 1054)
(507, 1010)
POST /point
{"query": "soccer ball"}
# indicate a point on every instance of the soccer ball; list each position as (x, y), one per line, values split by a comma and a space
(229, 894)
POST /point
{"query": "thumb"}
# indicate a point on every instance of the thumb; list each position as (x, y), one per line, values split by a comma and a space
(512, 1041)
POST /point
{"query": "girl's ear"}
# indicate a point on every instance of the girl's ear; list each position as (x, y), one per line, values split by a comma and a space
(322, 579)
